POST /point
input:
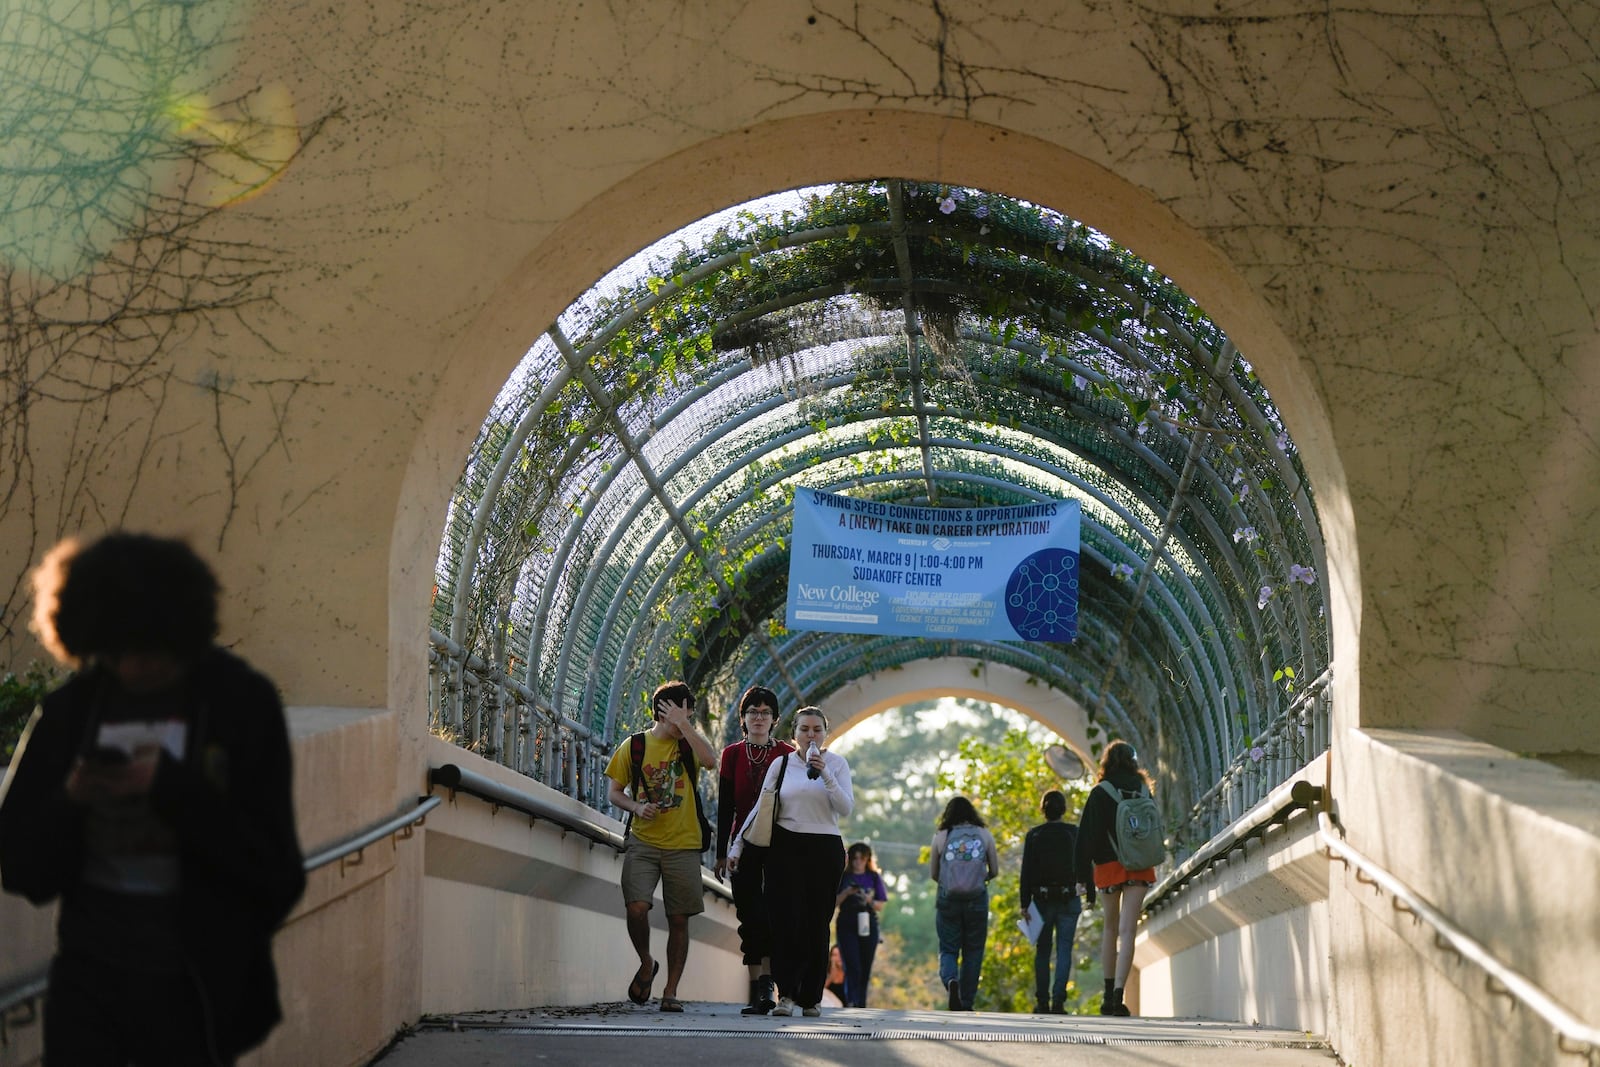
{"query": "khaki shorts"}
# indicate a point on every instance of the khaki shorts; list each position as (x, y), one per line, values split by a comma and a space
(677, 869)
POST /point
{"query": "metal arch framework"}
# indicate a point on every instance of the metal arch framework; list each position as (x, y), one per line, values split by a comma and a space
(623, 515)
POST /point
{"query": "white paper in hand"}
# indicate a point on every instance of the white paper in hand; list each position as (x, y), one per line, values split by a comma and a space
(1030, 924)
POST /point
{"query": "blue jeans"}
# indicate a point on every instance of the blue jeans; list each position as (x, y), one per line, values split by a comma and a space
(963, 928)
(1060, 916)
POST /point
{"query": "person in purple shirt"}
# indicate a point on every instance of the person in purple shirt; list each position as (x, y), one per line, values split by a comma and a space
(861, 897)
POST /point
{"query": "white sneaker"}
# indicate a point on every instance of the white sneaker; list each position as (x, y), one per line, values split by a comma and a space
(811, 1013)
(785, 1007)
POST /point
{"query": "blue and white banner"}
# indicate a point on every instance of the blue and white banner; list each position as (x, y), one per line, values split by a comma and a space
(997, 574)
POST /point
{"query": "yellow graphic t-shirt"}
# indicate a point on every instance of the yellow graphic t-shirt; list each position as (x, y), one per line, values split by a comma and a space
(665, 783)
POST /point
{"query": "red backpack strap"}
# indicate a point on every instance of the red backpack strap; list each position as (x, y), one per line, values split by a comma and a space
(636, 752)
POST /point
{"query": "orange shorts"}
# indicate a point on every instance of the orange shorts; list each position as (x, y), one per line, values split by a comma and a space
(1114, 875)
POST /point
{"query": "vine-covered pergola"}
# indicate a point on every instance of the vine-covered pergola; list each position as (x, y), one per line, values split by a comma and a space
(624, 514)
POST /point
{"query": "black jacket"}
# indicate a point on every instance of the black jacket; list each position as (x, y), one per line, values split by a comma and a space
(229, 803)
(1048, 857)
(1094, 828)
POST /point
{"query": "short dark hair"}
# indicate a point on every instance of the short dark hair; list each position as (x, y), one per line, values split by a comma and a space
(755, 697)
(677, 691)
(1053, 804)
(126, 592)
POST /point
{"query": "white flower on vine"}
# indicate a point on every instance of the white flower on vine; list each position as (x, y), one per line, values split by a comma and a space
(1247, 534)
(1263, 596)
(1257, 754)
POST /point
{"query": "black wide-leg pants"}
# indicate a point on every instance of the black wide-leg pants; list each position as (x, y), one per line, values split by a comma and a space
(803, 872)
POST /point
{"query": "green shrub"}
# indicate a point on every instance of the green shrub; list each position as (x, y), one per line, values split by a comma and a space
(19, 695)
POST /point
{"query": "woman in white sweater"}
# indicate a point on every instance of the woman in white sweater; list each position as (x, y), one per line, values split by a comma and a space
(805, 861)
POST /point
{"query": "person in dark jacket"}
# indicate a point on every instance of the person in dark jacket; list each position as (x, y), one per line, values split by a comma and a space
(742, 771)
(1096, 864)
(1050, 885)
(151, 795)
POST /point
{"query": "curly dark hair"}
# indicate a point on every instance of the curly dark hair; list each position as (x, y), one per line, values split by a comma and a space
(127, 592)
(958, 812)
(1120, 758)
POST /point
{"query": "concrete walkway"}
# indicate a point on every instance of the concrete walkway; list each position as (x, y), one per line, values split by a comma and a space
(625, 1035)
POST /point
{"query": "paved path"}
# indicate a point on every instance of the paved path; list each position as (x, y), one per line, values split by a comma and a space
(627, 1036)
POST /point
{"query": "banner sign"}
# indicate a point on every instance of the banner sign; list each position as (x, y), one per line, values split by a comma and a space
(997, 574)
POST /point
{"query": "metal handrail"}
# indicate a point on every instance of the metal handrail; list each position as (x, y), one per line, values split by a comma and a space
(32, 988)
(28, 992)
(1447, 935)
(1284, 800)
(508, 723)
(1309, 711)
(456, 779)
(402, 822)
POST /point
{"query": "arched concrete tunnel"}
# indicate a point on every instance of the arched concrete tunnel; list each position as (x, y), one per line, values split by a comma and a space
(294, 255)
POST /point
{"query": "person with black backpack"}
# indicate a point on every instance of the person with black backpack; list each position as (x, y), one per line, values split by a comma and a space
(1117, 852)
(654, 777)
(962, 860)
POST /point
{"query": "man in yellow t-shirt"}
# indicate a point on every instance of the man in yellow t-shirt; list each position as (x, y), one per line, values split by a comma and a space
(664, 838)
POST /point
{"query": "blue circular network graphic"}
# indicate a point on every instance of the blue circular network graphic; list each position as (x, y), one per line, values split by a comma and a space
(1042, 596)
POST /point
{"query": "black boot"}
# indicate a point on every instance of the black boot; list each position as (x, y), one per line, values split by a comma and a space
(762, 996)
(1119, 1008)
(1107, 1004)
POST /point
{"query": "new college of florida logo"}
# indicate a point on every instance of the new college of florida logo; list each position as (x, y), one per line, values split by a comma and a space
(1042, 596)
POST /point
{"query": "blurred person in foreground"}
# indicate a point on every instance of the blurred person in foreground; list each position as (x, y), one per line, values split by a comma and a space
(151, 794)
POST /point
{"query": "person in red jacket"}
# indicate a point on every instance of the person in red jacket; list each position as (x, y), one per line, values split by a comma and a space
(743, 769)
(151, 795)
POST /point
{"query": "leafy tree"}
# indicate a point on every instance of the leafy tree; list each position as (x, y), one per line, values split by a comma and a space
(19, 695)
(902, 783)
(1005, 779)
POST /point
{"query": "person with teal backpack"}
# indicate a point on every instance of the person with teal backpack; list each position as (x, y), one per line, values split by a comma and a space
(1120, 843)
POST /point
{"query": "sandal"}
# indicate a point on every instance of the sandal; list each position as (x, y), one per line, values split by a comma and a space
(671, 1004)
(639, 992)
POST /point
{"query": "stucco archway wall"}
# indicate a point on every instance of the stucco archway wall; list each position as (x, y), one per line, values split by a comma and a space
(1386, 211)
(1389, 197)
(956, 676)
